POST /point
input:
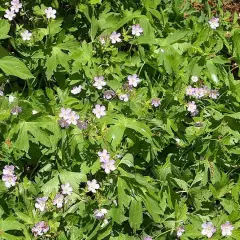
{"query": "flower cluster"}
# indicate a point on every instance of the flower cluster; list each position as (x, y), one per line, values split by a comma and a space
(40, 228)
(208, 229)
(107, 163)
(68, 117)
(201, 92)
(15, 7)
(8, 176)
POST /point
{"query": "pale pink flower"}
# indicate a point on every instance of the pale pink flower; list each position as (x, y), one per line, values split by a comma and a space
(65, 113)
(192, 107)
(40, 228)
(180, 231)
(8, 170)
(124, 97)
(147, 238)
(10, 15)
(194, 78)
(93, 186)
(9, 180)
(99, 111)
(208, 229)
(104, 155)
(156, 102)
(58, 200)
(66, 189)
(41, 203)
(227, 229)
(100, 214)
(99, 82)
(73, 118)
(108, 166)
(50, 13)
(16, 6)
(214, 23)
(133, 80)
(137, 30)
(214, 94)
(115, 37)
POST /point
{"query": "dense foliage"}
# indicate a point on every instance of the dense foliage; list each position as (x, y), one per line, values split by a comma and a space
(119, 120)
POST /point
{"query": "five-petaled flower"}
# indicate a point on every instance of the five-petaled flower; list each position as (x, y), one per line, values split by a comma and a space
(40, 228)
(108, 166)
(99, 82)
(58, 200)
(208, 229)
(104, 155)
(227, 229)
(137, 30)
(133, 80)
(180, 231)
(41, 203)
(100, 213)
(93, 186)
(76, 90)
(26, 35)
(50, 13)
(66, 189)
(156, 102)
(214, 23)
(10, 15)
(115, 37)
(99, 111)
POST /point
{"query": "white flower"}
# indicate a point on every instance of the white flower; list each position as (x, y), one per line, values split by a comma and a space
(99, 82)
(26, 35)
(66, 189)
(115, 37)
(137, 30)
(214, 94)
(214, 77)
(194, 78)
(104, 155)
(180, 231)
(214, 23)
(76, 90)
(58, 200)
(105, 223)
(208, 229)
(133, 80)
(124, 97)
(34, 112)
(41, 203)
(16, 5)
(65, 113)
(100, 214)
(50, 13)
(9, 180)
(11, 99)
(108, 166)
(93, 185)
(227, 229)
(1, 93)
(99, 111)
(192, 107)
(10, 15)
(72, 118)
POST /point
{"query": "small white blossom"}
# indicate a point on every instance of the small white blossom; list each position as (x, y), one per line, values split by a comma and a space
(41, 203)
(26, 35)
(11, 99)
(133, 80)
(76, 90)
(214, 77)
(99, 111)
(9, 180)
(66, 189)
(124, 97)
(50, 13)
(10, 15)
(208, 229)
(214, 23)
(93, 186)
(104, 155)
(115, 37)
(99, 82)
(136, 30)
(180, 231)
(16, 6)
(108, 166)
(73, 118)
(58, 200)
(34, 112)
(65, 112)
(1, 93)
(100, 214)
(227, 229)
(192, 107)
(194, 78)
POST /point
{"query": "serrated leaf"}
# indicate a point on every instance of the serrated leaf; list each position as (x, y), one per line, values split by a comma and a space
(135, 214)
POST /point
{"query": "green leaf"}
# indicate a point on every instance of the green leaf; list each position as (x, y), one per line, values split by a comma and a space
(128, 160)
(24, 218)
(15, 67)
(135, 214)
(4, 28)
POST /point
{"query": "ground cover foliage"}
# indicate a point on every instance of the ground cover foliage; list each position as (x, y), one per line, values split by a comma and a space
(119, 120)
